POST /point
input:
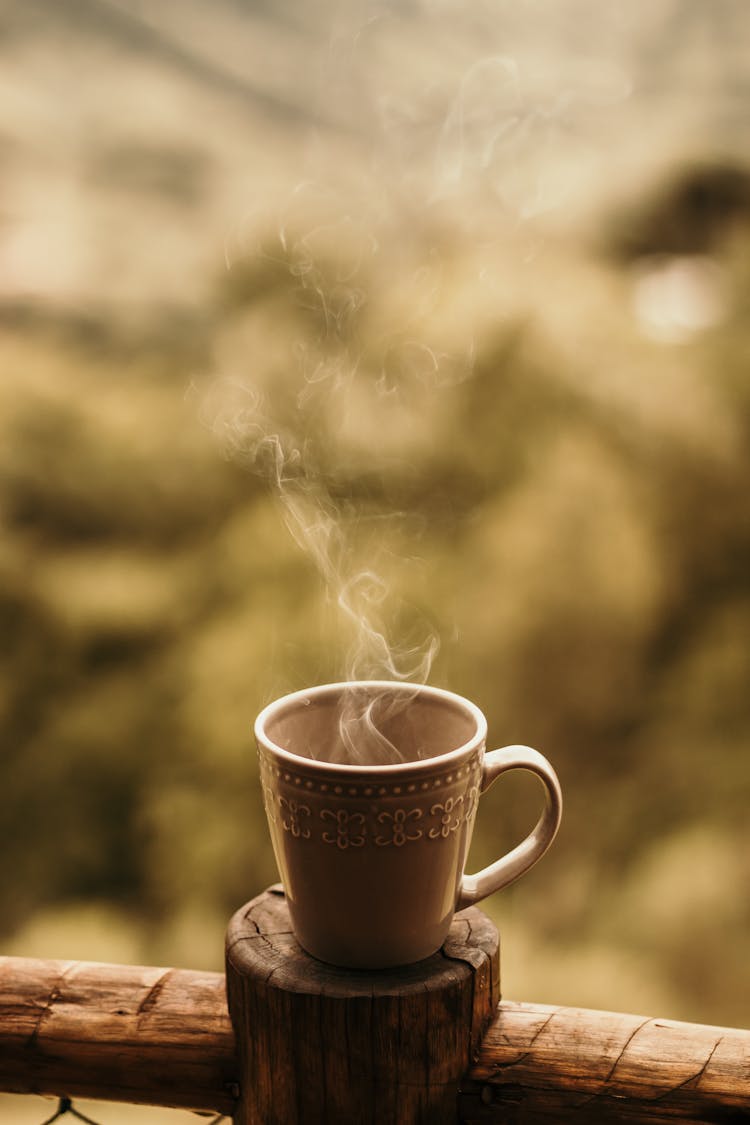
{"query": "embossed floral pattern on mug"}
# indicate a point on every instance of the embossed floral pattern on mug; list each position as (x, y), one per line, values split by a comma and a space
(296, 818)
(348, 830)
(381, 825)
(448, 815)
(432, 808)
(398, 827)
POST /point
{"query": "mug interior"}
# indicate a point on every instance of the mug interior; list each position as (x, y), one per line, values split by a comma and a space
(370, 723)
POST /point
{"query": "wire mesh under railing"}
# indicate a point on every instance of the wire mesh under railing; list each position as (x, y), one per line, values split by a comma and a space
(66, 1108)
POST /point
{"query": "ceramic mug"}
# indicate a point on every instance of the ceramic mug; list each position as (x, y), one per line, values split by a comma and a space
(371, 849)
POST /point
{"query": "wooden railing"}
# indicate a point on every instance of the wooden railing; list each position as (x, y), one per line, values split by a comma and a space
(544, 1064)
(165, 1037)
(116, 1032)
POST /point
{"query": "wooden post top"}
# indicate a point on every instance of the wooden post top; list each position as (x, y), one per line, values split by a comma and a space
(324, 1044)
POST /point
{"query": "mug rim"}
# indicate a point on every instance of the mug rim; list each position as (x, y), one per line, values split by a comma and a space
(423, 764)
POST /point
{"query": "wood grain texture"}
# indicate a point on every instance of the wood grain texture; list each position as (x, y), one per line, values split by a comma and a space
(117, 1032)
(327, 1045)
(544, 1064)
(373, 1046)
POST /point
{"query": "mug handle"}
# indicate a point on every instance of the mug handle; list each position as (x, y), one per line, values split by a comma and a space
(503, 871)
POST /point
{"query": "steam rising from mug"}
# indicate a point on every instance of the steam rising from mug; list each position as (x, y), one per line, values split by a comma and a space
(333, 533)
(480, 133)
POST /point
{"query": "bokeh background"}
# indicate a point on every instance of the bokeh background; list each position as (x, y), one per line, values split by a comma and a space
(454, 296)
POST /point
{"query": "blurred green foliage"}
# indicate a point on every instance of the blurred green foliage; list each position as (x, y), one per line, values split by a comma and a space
(494, 309)
(567, 508)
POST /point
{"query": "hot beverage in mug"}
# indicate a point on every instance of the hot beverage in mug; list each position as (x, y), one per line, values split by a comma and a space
(371, 790)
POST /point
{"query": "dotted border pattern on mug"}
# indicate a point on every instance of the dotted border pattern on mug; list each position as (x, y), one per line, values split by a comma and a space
(346, 828)
(300, 780)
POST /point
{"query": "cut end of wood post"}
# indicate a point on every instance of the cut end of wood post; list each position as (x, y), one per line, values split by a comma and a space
(319, 1043)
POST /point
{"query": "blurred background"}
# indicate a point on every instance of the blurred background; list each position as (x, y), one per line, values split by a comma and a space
(453, 295)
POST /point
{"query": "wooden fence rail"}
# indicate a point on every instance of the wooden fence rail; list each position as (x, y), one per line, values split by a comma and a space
(543, 1064)
(116, 1032)
(164, 1037)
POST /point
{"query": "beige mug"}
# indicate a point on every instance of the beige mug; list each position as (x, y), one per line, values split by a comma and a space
(371, 790)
